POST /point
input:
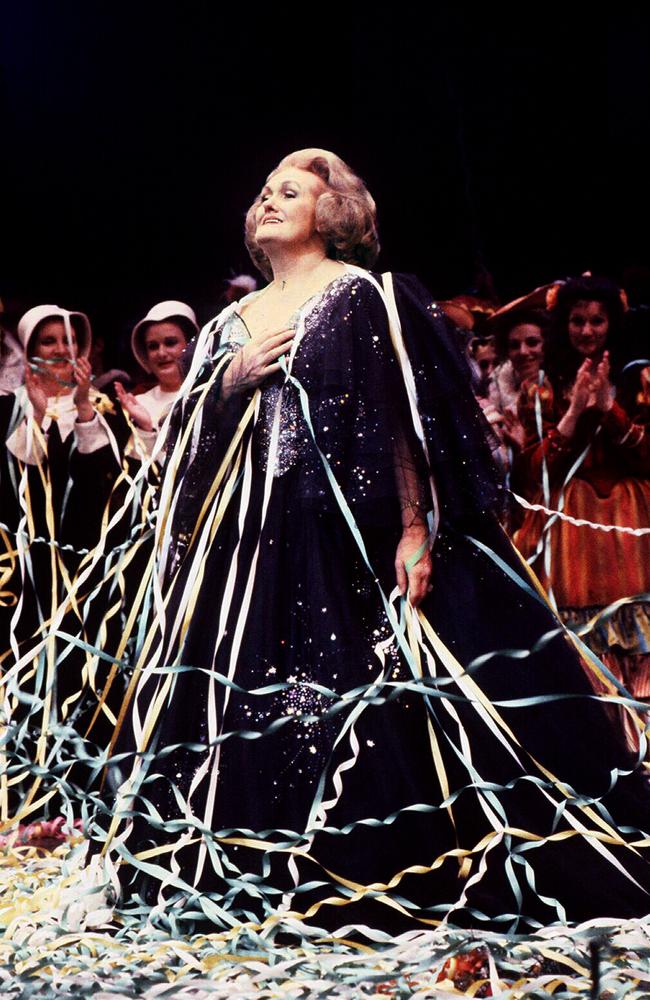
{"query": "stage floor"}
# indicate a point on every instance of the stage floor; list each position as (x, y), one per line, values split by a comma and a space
(61, 939)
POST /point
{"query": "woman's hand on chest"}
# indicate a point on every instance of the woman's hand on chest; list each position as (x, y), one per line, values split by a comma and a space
(256, 361)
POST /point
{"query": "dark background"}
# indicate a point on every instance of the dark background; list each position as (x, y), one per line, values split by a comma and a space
(134, 137)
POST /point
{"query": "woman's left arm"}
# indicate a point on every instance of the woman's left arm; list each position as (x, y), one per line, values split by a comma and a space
(90, 432)
(631, 438)
(413, 577)
(83, 376)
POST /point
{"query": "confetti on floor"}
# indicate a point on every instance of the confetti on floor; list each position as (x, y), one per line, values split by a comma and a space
(60, 938)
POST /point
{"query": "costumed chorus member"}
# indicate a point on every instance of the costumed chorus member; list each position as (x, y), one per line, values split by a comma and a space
(52, 426)
(158, 342)
(61, 457)
(595, 448)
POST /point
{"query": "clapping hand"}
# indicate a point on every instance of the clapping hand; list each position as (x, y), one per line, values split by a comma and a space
(136, 410)
(592, 387)
(35, 393)
(581, 395)
(83, 373)
(513, 430)
(601, 387)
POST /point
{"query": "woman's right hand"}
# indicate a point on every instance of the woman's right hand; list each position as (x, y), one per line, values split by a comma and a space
(258, 359)
(513, 430)
(581, 394)
(603, 392)
(580, 397)
(137, 412)
(35, 393)
(590, 389)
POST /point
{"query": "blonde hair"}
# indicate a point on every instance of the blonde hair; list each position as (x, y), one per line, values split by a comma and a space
(346, 215)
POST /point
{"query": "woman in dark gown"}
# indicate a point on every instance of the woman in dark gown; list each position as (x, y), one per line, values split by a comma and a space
(323, 727)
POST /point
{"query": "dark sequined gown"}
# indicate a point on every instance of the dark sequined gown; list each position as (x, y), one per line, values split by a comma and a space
(318, 793)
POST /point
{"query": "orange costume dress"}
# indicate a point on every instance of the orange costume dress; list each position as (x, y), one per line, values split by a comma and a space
(601, 475)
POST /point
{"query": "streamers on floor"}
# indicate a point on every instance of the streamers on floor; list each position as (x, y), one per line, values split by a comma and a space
(266, 745)
(61, 938)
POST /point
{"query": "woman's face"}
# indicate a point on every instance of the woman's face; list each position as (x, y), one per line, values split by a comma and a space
(525, 350)
(485, 356)
(286, 210)
(52, 345)
(164, 343)
(588, 327)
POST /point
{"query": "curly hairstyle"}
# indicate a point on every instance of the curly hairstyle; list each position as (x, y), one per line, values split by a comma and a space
(590, 289)
(346, 215)
(563, 360)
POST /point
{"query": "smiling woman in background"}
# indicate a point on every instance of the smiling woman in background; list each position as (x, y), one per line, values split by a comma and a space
(520, 336)
(61, 459)
(57, 428)
(158, 342)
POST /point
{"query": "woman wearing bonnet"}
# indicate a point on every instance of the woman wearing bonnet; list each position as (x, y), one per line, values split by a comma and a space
(62, 455)
(56, 428)
(158, 342)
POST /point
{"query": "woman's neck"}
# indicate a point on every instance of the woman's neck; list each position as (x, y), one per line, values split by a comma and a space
(53, 388)
(170, 385)
(290, 267)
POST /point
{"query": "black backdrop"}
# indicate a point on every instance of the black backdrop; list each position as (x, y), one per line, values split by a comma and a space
(135, 135)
